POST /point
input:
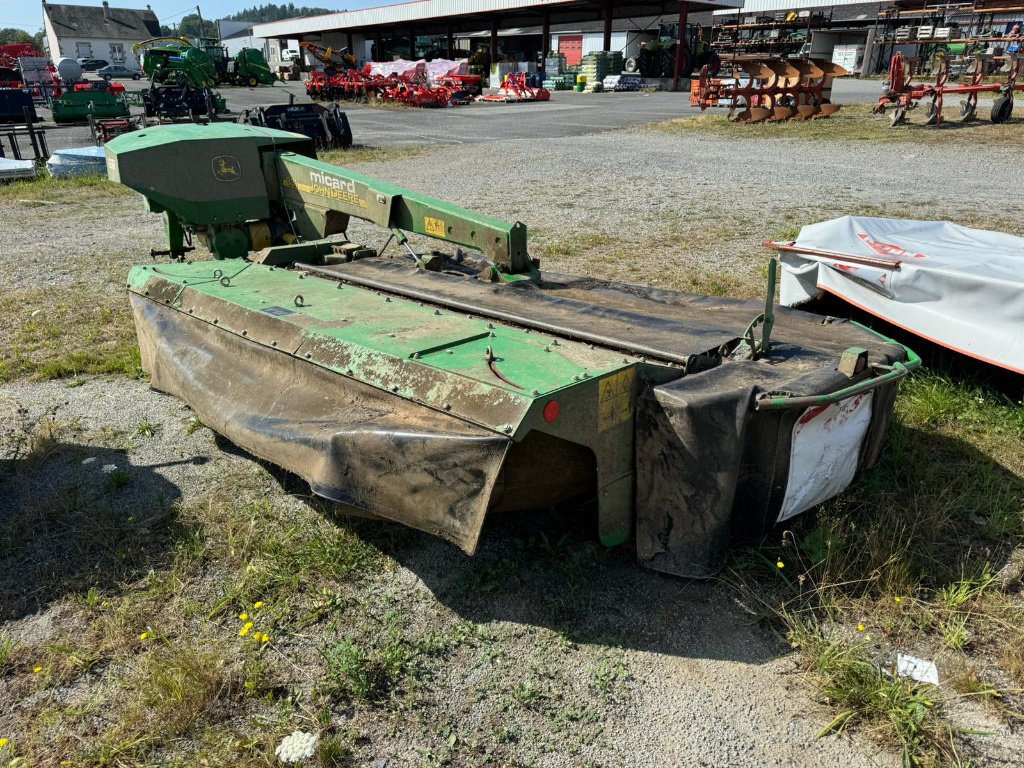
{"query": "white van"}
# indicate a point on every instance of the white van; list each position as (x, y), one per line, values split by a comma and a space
(289, 54)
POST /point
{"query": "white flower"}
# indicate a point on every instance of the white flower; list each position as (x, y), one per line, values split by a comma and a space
(298, 746)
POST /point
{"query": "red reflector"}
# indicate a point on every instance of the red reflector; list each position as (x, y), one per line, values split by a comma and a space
(551, 410)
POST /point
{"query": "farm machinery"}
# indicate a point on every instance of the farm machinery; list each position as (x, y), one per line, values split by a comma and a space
(657, 58)
(771, 89)
(206, 61)
(413, 83)
(79, 104)
(181, 77)
(903, 95)
(333, 60)
(328, 127)
(441, 377)
(515, 88)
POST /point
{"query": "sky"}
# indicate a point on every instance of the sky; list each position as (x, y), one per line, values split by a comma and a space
(28, 14)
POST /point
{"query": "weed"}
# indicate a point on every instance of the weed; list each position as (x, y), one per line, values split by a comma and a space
(177, 684)
(119, 478)
(527, 693)
(608, 677)
(194, 425)
(898, 708)
(7, 646)
(335, 751)
(368, 673)
(146, 428)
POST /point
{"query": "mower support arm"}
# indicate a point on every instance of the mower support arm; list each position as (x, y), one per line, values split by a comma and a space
(316, 192)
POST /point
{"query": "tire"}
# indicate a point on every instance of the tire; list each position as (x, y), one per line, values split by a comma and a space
(668, 64)
(632, 65)
(714, 63)
(108, 78)
(1002, 108)
(136, 77)
(253, 82)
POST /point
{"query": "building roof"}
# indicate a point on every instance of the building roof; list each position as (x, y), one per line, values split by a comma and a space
(92, 22)
(425, 14)
(634, 24)
(245, 32)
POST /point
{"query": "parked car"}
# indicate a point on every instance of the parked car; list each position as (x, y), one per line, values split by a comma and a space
(289, 54)
(119, 72)
(91, 65)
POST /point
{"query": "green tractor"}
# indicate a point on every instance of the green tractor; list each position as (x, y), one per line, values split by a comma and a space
(247, 67)
(203, 64)
(657, 58)
(176, 60)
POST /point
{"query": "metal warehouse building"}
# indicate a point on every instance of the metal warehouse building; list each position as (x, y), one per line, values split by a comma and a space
(369, 31)
(860, 36)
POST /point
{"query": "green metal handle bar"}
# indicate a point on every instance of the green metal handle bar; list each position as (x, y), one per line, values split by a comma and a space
(895, 372)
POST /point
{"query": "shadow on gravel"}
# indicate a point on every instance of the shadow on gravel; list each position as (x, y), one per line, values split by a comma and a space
(75, 517)
(546, 568)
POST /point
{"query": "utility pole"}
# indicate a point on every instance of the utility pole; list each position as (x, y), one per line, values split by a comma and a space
(202, 25)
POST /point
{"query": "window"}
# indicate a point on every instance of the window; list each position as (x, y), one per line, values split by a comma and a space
(83, 50)
(117, 53)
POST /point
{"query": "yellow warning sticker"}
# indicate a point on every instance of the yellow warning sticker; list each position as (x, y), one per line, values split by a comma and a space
(434, 227)
(615, 399)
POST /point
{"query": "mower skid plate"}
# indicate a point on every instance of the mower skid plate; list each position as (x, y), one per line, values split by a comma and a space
(353, 443)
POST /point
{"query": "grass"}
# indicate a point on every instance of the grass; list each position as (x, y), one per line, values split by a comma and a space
(362, 154)
(905, 560)
(853, 123)
(62, 336)
(74, 190)
(895, 709)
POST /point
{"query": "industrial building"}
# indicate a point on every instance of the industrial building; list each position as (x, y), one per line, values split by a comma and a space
(434, 28)
(858, 35)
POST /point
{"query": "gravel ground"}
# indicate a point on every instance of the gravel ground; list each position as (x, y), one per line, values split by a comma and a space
(666, 207)
(708, 687)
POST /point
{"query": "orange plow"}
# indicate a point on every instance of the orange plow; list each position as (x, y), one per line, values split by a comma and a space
(771, 89)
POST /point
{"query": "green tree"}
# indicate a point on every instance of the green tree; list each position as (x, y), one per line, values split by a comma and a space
(190, 27)
(276, 12)
(12, 35)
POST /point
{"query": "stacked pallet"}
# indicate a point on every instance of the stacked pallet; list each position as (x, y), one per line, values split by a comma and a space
(559, 82)
(623, 83)
(596, 66)
(554, 64)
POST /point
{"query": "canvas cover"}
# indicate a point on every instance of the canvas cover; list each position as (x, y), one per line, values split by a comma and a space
(953, 285)
(430, 71)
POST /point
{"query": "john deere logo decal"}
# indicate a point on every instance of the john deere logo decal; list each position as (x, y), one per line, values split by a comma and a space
(227, 168)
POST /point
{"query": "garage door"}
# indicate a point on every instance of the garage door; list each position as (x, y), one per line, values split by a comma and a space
(571, 46)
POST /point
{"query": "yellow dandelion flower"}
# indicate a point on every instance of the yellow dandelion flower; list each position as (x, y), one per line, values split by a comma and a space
(37, 670)
(780, 564)
(898, 600)
(265, 639)
(257, 605)
(145, 636)
(861, 627)
(4, 743)
(243, 617)
(245, 629)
